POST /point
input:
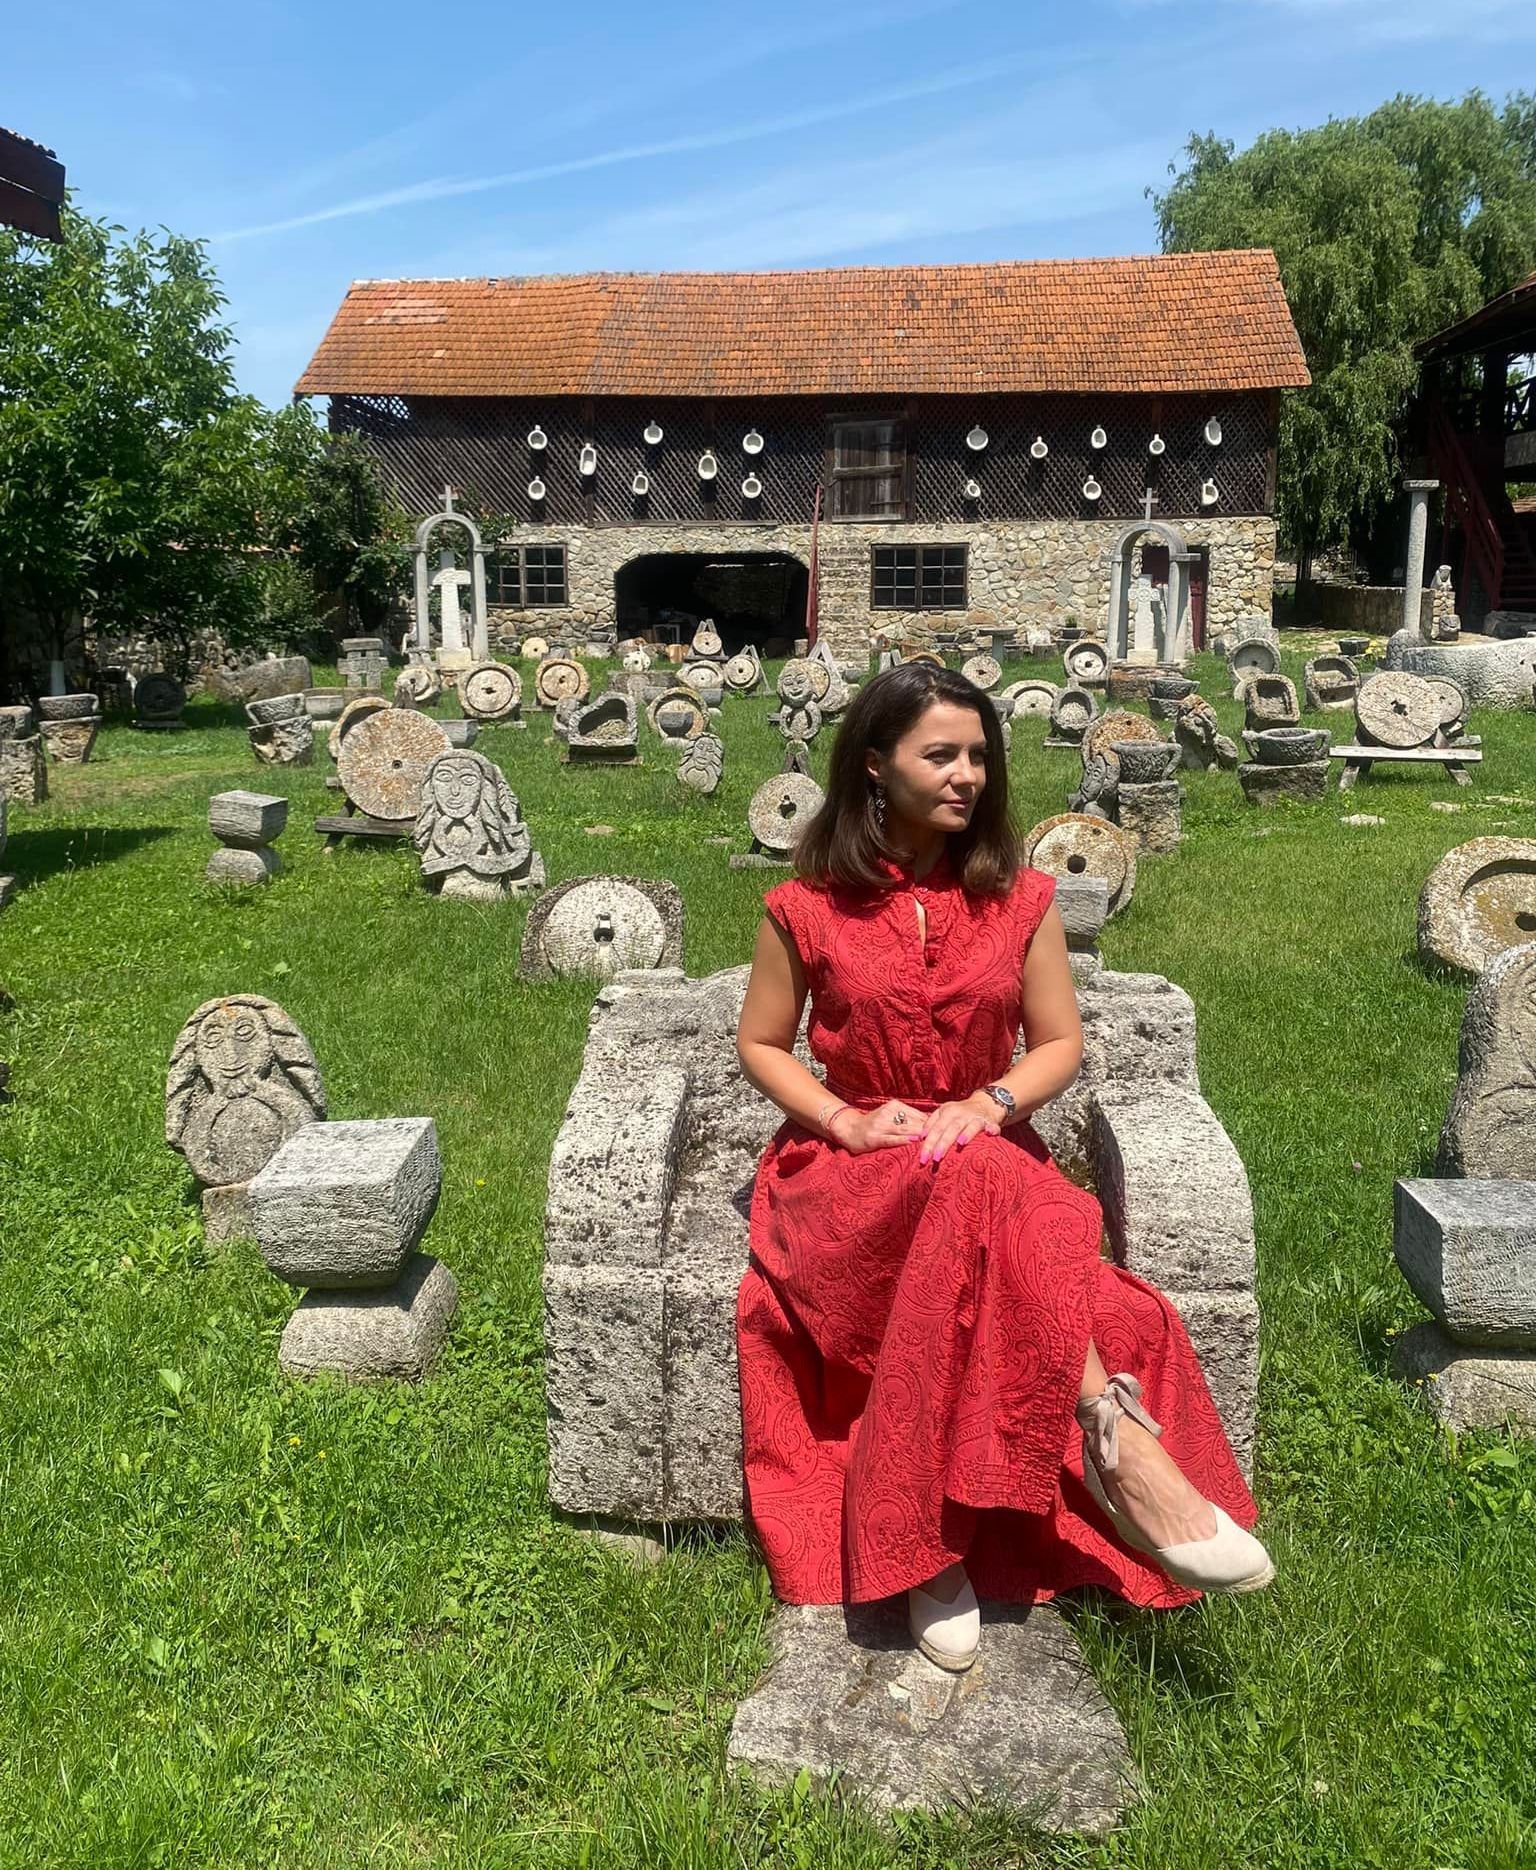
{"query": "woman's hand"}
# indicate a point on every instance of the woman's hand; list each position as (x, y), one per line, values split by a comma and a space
(890, 1123)
(955, 1125)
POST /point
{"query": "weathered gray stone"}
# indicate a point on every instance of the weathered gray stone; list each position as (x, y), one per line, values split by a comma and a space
(354, 711)
(1270, 701)
(281, 732)
(603, 1364)
(1493, 674)
(1073, 710)
(678, 714)
(383, 759)
(324, 704)
(419, 685)
(1083, 904)
(244, 865)
(1490, 1129)
(159, 700)
(1120, 728)
(343, 1205)
(242, 1081)
(845, 1692)
(592, 927)
(603, 731)
(470, 832)
(23, 769)
(370, 1337)
(258, 681)
(614, 1167)
(703, 763)
(1286, 746)
(1397, 710)
(462, 734)
(225, 1213)
(1478, 901)
(799, 720)
(559, 678)
(1152, 814)
(1331, 682)
(1468, 1249)
(1074, 844)
(247, 820)
(491, 691)
(1267, 785)
(1030, 697)
(780, 809)
(1086, 662)
(1468, 1389)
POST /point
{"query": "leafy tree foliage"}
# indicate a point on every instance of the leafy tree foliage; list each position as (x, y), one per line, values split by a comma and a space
(1386, 228)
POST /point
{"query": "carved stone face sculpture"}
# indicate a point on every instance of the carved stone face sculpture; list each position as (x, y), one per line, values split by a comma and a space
(242, 1080)
(469, 819)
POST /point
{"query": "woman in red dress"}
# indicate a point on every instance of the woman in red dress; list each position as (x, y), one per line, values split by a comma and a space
(926, 1321)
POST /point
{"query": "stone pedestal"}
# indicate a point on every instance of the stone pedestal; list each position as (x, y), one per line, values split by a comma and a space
(1466, 1387)
(1266, 785)
(245, 823)
(1153, 814)
(1413, 577)
(69, 743)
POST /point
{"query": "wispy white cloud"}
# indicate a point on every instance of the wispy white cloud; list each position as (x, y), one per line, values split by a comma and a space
(442, 188)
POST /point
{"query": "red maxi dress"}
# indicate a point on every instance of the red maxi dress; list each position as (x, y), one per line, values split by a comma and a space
(912, 1338)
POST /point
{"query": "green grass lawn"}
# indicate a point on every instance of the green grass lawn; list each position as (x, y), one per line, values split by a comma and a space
(245, 1622)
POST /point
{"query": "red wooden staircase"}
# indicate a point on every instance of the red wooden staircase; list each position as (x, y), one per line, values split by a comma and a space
(1501, 543)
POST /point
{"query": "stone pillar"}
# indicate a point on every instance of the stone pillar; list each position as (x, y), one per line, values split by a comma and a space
(1413, 575)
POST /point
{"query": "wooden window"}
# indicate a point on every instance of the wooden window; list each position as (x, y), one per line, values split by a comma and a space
(526, 578)
(867, 463)
(918, 577)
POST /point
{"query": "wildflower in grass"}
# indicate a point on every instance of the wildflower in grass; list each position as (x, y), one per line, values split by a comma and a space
(1357, 1167)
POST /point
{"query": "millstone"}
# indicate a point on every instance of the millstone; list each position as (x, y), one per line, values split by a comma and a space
(418, 686)
(1117, 724)
(706, 640)
(490, 691)
(158, 695)
(1477, 901)
(678, 714)
(741, 673)
(780, 809)
(599, 927)
(1453, 698)
(534, 647)
(985, 671)
(1075, 845)
(1031, 697)
(358, 709)
(1086, 661)
(1254, 655)
(1397, 709)
(384, 759)
(560, 678)
(802, 722)
(703, 674)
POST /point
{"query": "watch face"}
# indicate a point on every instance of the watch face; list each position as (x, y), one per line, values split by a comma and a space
(1003, 1097)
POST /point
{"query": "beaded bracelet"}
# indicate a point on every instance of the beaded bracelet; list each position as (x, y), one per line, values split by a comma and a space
(832, 1106)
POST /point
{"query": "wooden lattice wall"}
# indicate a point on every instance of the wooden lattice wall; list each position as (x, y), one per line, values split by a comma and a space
(479, 446)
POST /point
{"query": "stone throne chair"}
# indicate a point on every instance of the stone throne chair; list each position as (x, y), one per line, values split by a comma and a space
(645, 1242)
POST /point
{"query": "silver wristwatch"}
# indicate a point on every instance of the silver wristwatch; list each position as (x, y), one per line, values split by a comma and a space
(1002, 1096)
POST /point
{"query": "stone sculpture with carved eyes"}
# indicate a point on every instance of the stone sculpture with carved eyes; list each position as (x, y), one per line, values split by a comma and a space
(242, 1080)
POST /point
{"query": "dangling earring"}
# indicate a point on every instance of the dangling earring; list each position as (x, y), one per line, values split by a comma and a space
(879, 807)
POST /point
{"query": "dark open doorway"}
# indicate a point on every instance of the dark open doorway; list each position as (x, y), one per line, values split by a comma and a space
(753, 597)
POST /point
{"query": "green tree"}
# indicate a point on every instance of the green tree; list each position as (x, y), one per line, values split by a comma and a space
(1386, 228)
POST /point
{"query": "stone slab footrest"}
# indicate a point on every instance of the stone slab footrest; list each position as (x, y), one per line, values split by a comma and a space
(846, 1691)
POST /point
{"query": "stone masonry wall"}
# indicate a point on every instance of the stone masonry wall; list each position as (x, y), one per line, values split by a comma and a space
(1021, 571)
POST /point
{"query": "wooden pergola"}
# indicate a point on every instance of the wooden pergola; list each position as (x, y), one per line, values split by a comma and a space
(31, 187)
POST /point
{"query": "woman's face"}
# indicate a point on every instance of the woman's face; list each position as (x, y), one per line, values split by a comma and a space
(935, 773)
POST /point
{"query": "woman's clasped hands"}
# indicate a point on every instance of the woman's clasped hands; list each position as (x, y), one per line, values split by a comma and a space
(895, 1122)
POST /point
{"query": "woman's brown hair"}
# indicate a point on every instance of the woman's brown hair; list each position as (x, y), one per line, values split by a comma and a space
(843, 842)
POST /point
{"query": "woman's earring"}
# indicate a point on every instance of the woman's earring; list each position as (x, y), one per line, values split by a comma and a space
(880, 807)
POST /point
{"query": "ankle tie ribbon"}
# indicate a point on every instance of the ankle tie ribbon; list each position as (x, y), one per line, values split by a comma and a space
(1098, 1417)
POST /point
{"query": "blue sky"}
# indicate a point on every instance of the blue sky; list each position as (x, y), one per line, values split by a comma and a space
(316, 143)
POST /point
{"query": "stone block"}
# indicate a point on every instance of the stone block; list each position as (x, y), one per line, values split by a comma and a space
(603, 1362)
(1224, 1329)
(1025, 1726)
(612, 1169)
(243, 866)
(260, 681)
(1490, 1128)
(370, 1337)
(1083, 904)
(69, 743)
(1468, 1249)
(1267, 785)
(226, 1213)
(246, 820)
(1484, 1388)
(344, 1204)
(1153, 814)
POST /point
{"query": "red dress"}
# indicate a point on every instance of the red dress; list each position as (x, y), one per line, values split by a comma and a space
(912, 1338)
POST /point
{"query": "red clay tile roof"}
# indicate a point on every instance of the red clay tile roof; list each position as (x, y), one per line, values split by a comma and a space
(1178, 321)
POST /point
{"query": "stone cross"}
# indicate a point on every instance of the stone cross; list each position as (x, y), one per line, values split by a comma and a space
(449, 577)
(364, 663)
(1143, 622)
(1148, 501)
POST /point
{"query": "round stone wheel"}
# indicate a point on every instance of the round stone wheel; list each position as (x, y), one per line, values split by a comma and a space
(706, 641)
(490, 691)
(800, 723)
(357, 709)
(677, 714)
(781, 808)
(1397, 709)
(1086, 661)
(740, 674)
(1030, 697)
(560, 678)
(1477, 901)
(156, 696)
(384, 759)
(703, 674)
(534, 647)
(1118, 724)
(1075, 845)
(599, 927)
(984, 671)
(1072, 711)
(417, 686)
(1453, 698)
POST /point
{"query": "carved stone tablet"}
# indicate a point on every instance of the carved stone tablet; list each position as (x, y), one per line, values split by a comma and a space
(802, 670)
(384, 758)
(1396, 709)
(358, 709)
(592, 927)
(706, 640)
(242, 1080)
(469, 828)
(1490, 1129)
(984, 670)
(490, 691)
(801, 722)
(780, 809)
(1477, 901)
(418, 686)
(677, 714)
(1117, 724)
(1030, 697)
(702, 763)
(1074, 845)
(559, 678)
(1086, 660)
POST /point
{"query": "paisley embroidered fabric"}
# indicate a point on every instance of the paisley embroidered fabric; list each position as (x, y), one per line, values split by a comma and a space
(911, 1339)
